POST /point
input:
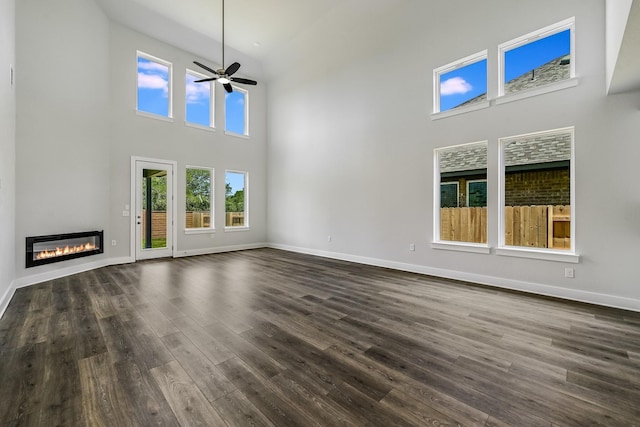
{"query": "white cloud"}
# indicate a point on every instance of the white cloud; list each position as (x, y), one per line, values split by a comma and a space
(153, 67)
(153, 81)
(198, 92)
(455, 86)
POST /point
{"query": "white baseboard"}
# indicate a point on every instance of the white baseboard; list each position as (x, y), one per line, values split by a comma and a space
(6, 298)
(208, 251)
(498, 282)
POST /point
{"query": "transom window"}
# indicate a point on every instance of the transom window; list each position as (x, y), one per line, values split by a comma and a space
(461, 83)
(537, 59)
(237, 112)
(154, 95)
(199, 100)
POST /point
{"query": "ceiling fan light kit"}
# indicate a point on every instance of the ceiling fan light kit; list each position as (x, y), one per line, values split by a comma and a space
(223, 75)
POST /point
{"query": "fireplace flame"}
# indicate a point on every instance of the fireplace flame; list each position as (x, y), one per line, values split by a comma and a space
(67, 250)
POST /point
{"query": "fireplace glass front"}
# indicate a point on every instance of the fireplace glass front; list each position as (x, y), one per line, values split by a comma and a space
(60, 247)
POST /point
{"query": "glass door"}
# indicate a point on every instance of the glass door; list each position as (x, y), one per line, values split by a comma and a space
(154, 210)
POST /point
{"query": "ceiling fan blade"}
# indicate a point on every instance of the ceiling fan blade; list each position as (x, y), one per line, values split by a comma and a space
(228, 87)
(231, 69)
(205, 67)
(205, 80)
(243, 81)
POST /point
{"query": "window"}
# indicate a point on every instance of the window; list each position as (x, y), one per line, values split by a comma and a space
(538, 59)
(449, 195)
(237, 112)
(199, 97)
(477, 193)
(537, 190)
(199, 194)
(154, 86)
(236, 199)
(461, 204)
(462, 83)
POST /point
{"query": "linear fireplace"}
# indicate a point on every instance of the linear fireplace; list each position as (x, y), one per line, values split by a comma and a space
(61, 247)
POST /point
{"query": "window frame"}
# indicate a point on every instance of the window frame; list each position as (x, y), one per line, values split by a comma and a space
(537, 253)
(246, 225)
(550, 30)
(457, 184)
(246, 113)
(437, 242)
(169, 65)
(212, 92)
(211, 228)
(452, 66)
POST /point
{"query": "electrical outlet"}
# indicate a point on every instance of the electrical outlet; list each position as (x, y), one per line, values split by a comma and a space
(328, 238)
(569, 273)
(412, 247)
(113, 243)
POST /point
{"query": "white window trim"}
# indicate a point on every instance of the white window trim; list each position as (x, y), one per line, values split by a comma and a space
(536, 253)
(212, 227)
(246, 225)
(503, 48)
(437, 243)
(438, 72)
(246, 114)
(212, 103)
(169, 65)
(472, 181)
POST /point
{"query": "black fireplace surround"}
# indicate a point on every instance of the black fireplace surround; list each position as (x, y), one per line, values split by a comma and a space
(43, 250)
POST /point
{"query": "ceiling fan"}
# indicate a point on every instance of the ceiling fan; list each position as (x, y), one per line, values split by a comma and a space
(223, 75)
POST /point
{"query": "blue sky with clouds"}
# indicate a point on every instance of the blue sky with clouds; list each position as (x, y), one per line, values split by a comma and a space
(153, 97)
(468, 82)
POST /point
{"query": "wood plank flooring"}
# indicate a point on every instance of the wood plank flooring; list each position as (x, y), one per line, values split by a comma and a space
(271, 338)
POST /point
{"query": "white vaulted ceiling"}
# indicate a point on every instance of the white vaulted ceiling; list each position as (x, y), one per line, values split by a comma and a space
(253, 27)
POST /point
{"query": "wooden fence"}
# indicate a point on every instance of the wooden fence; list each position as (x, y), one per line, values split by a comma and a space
(193, 220)
(529, 226)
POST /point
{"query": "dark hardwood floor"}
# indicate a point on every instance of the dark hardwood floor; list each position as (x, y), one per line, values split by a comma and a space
(271, 338)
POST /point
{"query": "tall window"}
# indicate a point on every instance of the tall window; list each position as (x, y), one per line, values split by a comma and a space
(461, 191)
(199, 194)
(537, 59)
(236, 193)
(237, 112)
(536, 190)
(461, 83)
(199, 97)
(154, 86)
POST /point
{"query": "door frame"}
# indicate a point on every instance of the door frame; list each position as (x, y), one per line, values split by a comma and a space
(173, 205)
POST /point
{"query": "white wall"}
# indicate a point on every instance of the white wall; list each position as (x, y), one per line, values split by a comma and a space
(135, 135)
(7, 152)
(351, 142)
(62, 129)
(617, 14)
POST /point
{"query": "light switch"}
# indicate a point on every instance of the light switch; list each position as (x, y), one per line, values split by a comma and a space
(125, 213)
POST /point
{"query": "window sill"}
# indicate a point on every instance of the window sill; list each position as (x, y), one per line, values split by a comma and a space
(234, 229)
(461, 247)
(199, 231)
(237, 135)
(546, 255)
(462, 110)
(553, 87)
(154, 116)
(201, 127)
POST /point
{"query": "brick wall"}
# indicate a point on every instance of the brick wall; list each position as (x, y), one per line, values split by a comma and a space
(546, 187)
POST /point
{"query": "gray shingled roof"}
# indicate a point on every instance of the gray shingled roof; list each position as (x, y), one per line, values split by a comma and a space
(525, 150)
(553, 71)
